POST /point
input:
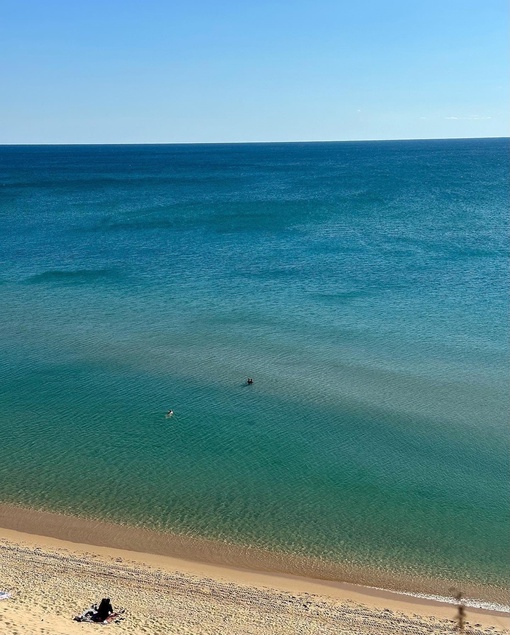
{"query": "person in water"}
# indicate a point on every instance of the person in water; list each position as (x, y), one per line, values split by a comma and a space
(250, 381)
(170, 413)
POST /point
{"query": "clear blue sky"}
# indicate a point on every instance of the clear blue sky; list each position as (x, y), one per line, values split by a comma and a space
(164, 71)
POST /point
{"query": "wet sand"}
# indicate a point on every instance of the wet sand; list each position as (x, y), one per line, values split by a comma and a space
(51, 580)
(226, 555)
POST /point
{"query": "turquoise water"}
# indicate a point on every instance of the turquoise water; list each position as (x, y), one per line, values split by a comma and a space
(362, 285)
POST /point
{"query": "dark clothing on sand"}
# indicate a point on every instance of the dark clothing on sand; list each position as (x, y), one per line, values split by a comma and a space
(105, 609)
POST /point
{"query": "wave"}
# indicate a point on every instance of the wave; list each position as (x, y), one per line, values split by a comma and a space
(65, 276)
(469, 602)
(93, 181)
(448, 248)
(136, 225)
(342, 296)
(239, 220)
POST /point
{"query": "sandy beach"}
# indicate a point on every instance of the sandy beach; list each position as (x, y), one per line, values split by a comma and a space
(51, 580)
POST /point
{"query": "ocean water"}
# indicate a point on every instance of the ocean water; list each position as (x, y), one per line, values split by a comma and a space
(362, 285)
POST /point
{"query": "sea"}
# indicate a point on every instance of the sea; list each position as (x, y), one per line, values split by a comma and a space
(363, 286)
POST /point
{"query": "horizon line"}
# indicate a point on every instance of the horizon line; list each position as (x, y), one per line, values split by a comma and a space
(165, 143)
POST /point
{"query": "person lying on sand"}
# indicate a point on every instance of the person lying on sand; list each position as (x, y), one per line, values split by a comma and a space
(104, 614)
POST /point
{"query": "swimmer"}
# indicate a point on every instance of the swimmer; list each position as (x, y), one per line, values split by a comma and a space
(250, 381)
(169, 414)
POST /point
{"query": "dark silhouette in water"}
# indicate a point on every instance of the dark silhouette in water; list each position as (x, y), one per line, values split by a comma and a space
(250, 381)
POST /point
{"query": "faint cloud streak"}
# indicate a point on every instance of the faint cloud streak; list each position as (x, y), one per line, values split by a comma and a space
(469, 118)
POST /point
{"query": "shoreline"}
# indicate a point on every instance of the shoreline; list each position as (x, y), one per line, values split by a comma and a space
(49, 532)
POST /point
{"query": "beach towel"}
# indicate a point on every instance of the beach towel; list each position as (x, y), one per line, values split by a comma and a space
(90, 615)
(4, 595)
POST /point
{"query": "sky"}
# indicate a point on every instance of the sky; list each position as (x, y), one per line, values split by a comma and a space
(212, 71)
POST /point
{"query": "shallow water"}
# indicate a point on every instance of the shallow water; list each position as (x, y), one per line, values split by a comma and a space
(362, 285)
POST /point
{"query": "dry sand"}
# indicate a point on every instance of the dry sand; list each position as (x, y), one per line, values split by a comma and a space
(51, 580)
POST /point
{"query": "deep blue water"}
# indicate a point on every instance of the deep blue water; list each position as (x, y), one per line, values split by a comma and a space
(362, 285)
